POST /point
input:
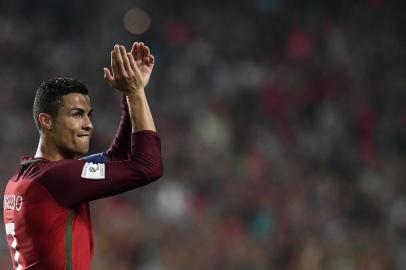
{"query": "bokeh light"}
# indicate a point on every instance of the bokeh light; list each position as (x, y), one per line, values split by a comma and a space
(137, 21)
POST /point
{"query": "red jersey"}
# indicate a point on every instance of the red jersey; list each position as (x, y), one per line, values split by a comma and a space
(46, 210)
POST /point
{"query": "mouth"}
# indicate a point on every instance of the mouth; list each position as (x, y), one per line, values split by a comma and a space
(85, 136)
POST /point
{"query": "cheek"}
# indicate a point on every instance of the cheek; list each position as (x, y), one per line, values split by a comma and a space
(64, 137)
(65, 131)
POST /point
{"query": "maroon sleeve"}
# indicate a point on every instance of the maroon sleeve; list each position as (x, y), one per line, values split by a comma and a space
(63, 179)
(120, 147)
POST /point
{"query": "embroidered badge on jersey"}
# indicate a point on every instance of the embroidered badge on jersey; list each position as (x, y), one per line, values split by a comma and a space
(93, 170)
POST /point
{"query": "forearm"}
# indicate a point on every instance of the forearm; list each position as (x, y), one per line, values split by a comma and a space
(140, 113)
(131, 73)
(120, 147)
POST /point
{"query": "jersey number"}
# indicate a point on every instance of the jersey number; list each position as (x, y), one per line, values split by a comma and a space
(10, 230)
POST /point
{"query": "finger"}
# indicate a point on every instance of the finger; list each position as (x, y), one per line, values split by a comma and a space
(146, 55)
(109, 78)
(126, 62)
(145, 60)
(132, 62)
(107, 75)
(151, 61)
(119, 61)
(114, 64)
(147, 51)
(134, 48)
(141, 50)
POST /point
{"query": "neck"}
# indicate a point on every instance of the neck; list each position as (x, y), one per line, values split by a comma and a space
(48, 150)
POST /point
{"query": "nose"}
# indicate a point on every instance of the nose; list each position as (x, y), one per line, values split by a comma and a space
(87, 124)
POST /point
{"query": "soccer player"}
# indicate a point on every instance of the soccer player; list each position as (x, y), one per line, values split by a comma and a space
(46, 210)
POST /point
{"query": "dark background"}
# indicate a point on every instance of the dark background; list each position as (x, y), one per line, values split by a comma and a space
(283, 127)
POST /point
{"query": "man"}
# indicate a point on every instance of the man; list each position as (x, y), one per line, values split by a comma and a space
(46, 210)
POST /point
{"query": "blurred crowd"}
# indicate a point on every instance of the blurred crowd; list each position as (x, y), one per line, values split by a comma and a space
(283, 128)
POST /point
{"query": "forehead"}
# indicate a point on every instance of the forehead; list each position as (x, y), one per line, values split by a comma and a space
(76, 100)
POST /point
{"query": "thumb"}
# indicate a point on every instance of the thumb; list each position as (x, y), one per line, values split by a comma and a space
(107, 75)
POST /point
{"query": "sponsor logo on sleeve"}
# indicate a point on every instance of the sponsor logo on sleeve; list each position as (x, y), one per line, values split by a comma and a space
(94, 170)
(12, 202)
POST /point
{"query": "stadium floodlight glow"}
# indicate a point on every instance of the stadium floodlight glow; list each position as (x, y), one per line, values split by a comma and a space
(137, 21)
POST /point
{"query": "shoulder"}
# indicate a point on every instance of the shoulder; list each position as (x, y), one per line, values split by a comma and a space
(30, 169)
(44, 170)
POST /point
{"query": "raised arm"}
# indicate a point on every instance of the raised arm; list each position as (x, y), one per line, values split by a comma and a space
(121, 144)
(130, 75)
(131, 82)
(120, 147)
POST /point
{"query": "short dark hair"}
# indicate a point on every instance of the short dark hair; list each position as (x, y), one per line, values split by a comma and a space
(48, 98)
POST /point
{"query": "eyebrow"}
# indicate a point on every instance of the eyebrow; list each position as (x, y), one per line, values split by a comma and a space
(81, 110)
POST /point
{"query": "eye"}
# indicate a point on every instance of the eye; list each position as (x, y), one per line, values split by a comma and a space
(76, 115)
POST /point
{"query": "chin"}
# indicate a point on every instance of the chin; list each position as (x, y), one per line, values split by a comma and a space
(83, 151)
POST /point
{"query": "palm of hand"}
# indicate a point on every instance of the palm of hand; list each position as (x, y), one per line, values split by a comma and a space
(144, 61)
(130, 70)
(145, 70)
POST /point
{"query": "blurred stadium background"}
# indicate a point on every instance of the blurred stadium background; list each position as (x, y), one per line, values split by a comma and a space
(283, 126)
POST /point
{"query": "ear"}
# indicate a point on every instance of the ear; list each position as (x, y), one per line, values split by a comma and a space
(45, 121)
